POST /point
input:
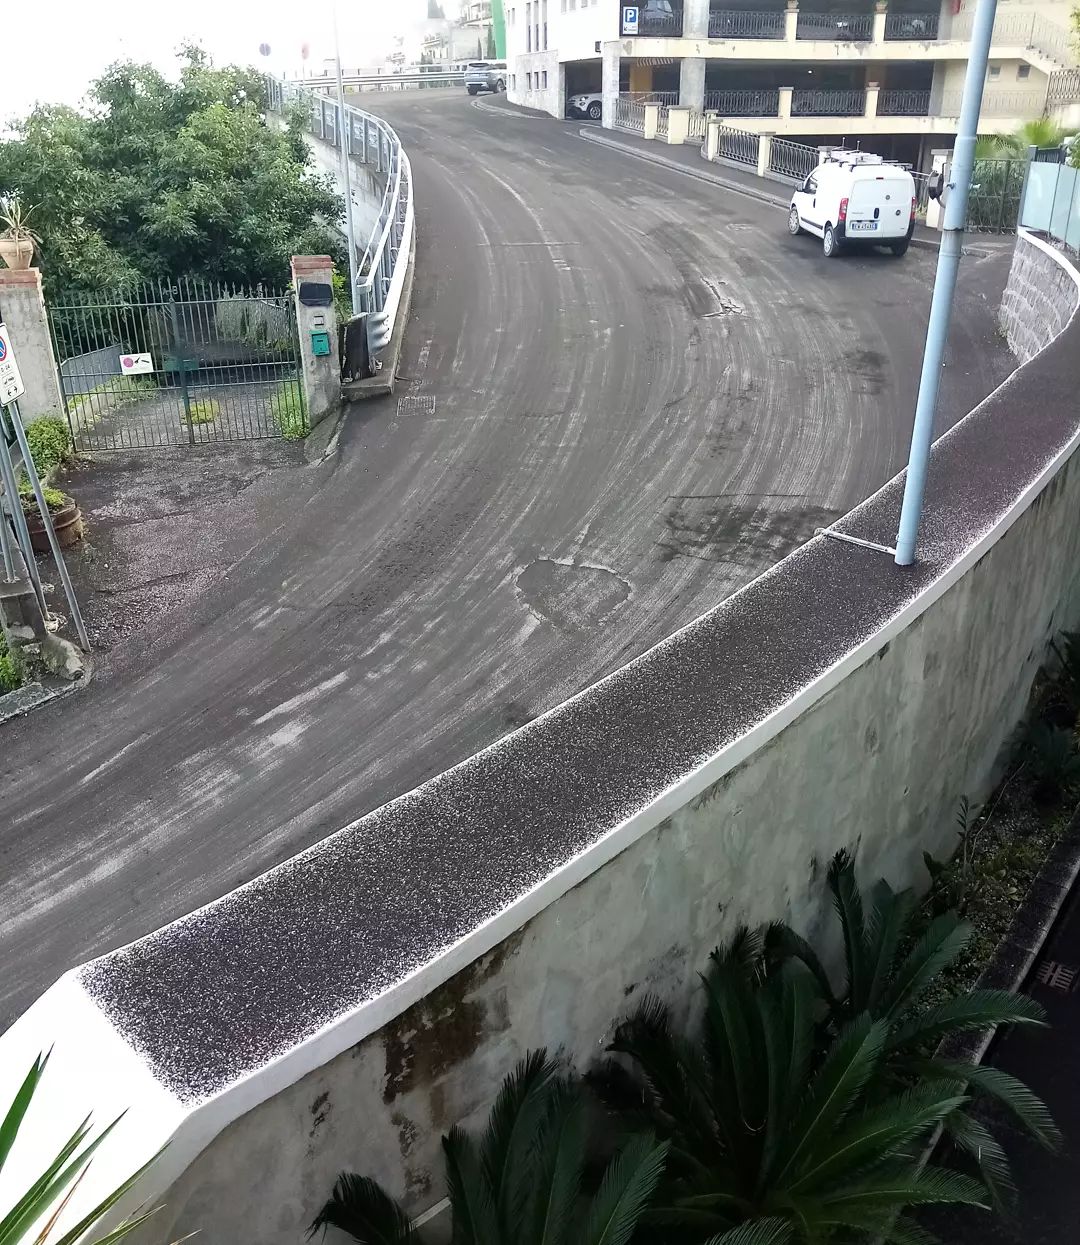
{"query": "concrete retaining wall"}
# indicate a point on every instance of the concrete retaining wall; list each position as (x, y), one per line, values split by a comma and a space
(1038, 299)
(346, 1008)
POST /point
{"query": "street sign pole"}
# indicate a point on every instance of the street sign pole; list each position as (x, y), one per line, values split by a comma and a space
(941, 305)
(344, 136)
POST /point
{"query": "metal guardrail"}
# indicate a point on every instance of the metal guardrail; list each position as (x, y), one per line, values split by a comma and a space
(922, 192)
(903, 103)
(661, 122)
(835, 27)
(807, 102)
(650, 97)
(994, 196)
(369, 141)
(630, 115)
(792, 161)
(388, 82)
(736, 24)
(657, 25)
(1063, 87)
(695, 125)
(1027, 30)
(911, 26)
(763, 103)
(738, 145)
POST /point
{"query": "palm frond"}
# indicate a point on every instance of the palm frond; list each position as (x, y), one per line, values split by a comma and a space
(976, 1141)
(555, 1173)
(977, 1009)
(783, 943)
(511, 1134)
(629, 1182)
(901, 1185)
(472, 1204)
(885, 926)
(1027, 1107)
(362, 1209)
(848, 904)
(757, 1232)
(942, 941)
(13, 1117)
(76, 1233)
(788, 1003)
(903, 1231)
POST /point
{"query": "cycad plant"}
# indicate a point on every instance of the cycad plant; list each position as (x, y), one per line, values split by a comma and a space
(524, 1183)
(40, 1206)
(892, 975)
(778, 1131)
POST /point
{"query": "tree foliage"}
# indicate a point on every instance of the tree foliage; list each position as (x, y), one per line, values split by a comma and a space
(159, 179)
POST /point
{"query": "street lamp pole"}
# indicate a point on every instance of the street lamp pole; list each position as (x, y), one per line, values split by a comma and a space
(344, 137)
(952, 237)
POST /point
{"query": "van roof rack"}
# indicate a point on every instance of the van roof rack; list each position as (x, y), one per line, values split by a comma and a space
(841, 155)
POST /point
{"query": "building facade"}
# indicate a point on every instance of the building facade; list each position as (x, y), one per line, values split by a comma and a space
(808, 70)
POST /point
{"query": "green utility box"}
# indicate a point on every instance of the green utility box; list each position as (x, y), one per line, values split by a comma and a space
(320, 343)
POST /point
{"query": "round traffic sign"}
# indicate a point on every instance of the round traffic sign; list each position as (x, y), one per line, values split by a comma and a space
(3, 350)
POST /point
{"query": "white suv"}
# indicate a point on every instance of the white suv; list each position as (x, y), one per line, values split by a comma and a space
(485, 76)
(855, 197)
(591, 106)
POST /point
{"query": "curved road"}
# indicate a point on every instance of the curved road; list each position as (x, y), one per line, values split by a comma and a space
(625, 393)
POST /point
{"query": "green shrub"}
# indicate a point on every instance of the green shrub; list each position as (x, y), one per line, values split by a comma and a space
(287, 410)
(55, 498)
(49, 440)
(1053, 761)
(12, 674)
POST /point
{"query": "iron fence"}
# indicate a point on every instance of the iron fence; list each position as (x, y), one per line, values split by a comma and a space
(174, 363)
(1051, 203)
(1048, 155)
(764, 103)
(661, 122)
(813, 103)
(371, 142)
(922, 192)
(738, 145)
(903, 103)
(994, 196)
(629, 115)
(659, 24)
(695, 125)
(735, 24)
(835, 27)
(792, 161)
(1063, 87)
(911, 26)
(650, 97)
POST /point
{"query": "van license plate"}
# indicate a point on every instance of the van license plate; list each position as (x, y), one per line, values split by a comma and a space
(862, 226)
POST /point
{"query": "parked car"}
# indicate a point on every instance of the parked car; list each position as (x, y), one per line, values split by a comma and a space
(855, 197)
(588, 105)
(485, 76)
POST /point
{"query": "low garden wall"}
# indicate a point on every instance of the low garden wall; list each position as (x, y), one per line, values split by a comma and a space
(346, 1008)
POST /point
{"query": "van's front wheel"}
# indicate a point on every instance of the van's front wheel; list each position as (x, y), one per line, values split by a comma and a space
(829, 243)
(793, 226)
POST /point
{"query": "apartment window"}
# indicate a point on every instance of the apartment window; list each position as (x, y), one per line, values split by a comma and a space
(1023, 71)
(544, 76)
(995, 71)
(562, 6)
(545, 2)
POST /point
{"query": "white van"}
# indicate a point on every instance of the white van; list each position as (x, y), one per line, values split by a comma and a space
(856, 197)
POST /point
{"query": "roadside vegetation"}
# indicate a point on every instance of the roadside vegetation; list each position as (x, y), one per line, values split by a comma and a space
(201, 411)
(287, 410)
(12, 670)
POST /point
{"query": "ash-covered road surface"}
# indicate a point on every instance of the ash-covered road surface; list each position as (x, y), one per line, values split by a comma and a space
(624, 394)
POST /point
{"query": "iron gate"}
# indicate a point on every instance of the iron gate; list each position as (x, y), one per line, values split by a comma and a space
(178, 363)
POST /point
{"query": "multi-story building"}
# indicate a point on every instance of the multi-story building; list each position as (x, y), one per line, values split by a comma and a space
(811, 70)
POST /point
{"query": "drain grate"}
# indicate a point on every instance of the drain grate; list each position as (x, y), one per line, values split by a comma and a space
(416, 404)
(1057, 976)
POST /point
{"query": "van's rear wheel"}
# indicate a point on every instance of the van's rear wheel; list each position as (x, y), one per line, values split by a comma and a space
(900, 248)
(829, 243)
(793, 226)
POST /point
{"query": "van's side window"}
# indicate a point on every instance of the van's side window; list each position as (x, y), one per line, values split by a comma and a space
(811, 185)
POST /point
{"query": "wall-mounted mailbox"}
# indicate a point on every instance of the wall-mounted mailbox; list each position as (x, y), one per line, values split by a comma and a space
(320, 343)
(316, 293)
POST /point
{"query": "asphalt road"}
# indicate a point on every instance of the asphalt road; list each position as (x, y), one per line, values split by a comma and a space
(624, 394)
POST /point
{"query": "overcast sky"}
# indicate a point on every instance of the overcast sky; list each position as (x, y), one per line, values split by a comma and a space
(76, 41)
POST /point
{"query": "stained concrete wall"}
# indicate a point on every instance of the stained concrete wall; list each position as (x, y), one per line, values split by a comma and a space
(22, 309)
(1038, 299)
(880, 761)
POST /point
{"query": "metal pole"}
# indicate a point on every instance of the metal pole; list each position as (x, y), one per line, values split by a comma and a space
(952, 237)
(346, 176)
(22, 533)
(47, 523)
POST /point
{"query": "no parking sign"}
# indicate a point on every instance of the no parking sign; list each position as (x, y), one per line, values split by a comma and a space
(11, 386)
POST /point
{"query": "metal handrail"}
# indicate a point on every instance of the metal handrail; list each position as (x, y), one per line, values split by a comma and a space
(737, 24)
(903, 103)
(809, 102)
(629, 115)
(747, 103)
(835, 27)
(916, 27)
(792, 161)
(739, 146)
(369, 141)
(650, 97)
(1063, 87)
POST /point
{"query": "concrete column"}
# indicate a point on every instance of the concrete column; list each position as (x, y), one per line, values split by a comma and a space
(321, 372)
(610, 58)
(764, 151)
(791, 21)
(784, 111)
(678, 124)
(695, 22)
(880, 11)
(872, 89)
(712, 137)
(22, 309)
(652, 117)
(692, 83)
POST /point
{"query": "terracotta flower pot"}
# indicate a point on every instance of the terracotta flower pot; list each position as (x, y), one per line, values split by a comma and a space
(67, 523)
(16, 252)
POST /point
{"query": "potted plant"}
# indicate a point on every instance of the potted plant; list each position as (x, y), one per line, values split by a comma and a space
(66, 519)
(17, 239)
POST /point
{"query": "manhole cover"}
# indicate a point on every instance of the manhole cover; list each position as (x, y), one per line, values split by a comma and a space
(416, 404)
(1057, 976)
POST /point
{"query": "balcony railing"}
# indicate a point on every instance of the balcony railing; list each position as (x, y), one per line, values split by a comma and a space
(1019, 103)
(792, 161)
(739, 146)
(762, 103)
(650, 97)
(903, 103)
(735, 24)
(813, 103)
(835, 27)
(660, 25)
(629, 115)
(911, 26)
